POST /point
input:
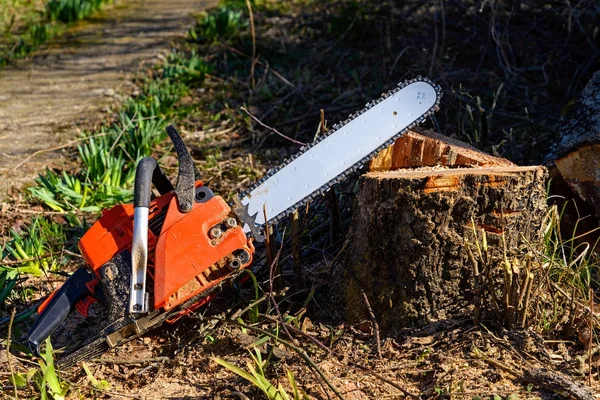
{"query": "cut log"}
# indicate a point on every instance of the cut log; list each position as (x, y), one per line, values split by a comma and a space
(425, 148)
(576, 154)
(407, 247)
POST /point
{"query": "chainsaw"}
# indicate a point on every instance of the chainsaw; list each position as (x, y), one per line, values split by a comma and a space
(165, 256)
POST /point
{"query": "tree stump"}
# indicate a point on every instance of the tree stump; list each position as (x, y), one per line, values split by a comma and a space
(407, 250)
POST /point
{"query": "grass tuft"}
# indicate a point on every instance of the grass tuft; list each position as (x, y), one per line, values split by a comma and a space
(68, 11)
(219, 24)
(256, 375)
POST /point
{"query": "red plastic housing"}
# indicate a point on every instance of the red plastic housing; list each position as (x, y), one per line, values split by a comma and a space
(183, 260)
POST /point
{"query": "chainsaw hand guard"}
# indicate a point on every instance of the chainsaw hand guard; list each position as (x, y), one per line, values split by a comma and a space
(81, 285)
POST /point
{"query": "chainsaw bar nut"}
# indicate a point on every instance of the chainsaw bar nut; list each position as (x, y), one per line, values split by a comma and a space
(244, 257)
(231, 222)
(216, 232)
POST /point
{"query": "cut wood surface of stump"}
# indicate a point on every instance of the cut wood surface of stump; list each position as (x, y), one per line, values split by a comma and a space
(408, 235)
(421, 148)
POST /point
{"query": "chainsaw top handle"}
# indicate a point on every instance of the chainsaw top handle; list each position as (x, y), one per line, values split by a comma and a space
(149, 173)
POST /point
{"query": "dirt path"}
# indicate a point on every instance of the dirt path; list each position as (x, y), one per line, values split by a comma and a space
(44, 101)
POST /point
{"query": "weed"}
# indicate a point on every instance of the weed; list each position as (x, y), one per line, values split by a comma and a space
(256, 375)
(547, 291)
(49, 378)
(45, 379)
(31, 249)
(98, 384)
(190, 68)
(68, 11)
(218, 24)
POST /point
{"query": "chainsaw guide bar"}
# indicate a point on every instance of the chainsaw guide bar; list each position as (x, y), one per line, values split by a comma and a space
(332, 157)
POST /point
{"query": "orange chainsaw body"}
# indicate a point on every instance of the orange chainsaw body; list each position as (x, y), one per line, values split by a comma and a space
(183, 260)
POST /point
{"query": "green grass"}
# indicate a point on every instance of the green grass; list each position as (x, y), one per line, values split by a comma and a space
(68, 11)
(26, 25)
(548, 290)
(219, 24)
(45, 379)
(256, 374)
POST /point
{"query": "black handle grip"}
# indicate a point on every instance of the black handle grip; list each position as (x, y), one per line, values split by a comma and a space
(148, 172)
(59, 307)
(187, 172)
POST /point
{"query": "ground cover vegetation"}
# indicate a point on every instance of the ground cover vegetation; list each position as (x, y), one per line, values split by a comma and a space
(282, 62)
(25, 25)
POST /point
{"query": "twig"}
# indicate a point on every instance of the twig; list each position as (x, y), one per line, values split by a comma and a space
(374, 322)
(277, 74)
(296, 248)
(321, 129)
(527, 291)
(306, 335)
(241, 312)
(271, 129)
(591, 326)
(68, 144)
(271, 279)
(121, 134)
(554, 383)
(268, 237)
(356, 366)
(116, 361)
(8, 355)
(384, 379)
(254, 60)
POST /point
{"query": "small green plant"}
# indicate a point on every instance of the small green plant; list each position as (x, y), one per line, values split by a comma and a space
(45, 379)
(187, 68)
(32, 251)
(68, 11)
(256, 375)
(97, 384)
(33, 246)
(49, 377)
(218, 24)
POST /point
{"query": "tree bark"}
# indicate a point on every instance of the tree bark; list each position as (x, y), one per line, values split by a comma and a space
(407, 248)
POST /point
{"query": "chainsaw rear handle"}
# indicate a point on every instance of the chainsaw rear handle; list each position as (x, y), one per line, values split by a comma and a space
(147, 173)
(81, 283)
